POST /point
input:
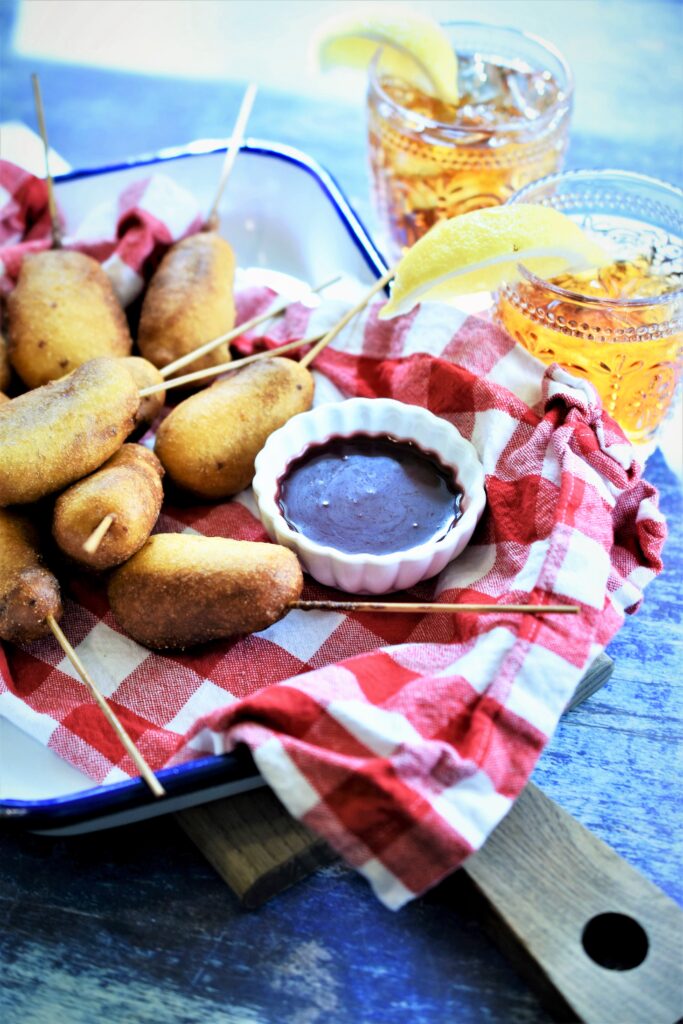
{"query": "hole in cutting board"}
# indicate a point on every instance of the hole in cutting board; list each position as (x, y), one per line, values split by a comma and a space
(615, 941)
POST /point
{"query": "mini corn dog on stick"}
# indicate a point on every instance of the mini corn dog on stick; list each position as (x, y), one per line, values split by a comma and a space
(236, 332)
(139, 761)
(52, 203)
(290, 346)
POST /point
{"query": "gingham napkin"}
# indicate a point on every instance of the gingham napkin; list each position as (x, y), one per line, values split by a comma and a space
(402, 740)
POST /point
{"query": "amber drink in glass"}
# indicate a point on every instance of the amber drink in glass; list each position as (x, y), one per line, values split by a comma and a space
(431, 160)
(621, 326)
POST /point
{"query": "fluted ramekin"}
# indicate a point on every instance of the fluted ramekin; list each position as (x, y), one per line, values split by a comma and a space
(376, 417)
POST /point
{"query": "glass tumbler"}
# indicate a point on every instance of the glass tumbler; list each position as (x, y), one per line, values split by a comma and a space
(621, 326)
(430, 160)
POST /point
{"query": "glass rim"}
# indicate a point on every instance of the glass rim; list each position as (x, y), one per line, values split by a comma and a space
(581, 174)
(456, 127)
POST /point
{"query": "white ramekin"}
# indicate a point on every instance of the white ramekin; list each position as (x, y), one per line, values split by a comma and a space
(365, 573)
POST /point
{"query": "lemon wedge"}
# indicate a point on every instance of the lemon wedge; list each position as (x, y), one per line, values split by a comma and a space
(481, 250)
(418, 47)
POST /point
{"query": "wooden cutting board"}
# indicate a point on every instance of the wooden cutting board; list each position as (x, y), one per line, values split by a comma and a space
(596, 940)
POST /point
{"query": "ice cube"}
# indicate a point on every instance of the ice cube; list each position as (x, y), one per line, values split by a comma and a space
(511, 89)
(530, 91)
(479, 80)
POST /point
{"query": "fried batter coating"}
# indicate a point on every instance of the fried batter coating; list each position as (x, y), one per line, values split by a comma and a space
(182, 589)
(145, 374)
(209, 442)
(62, 313)
(28, 591)
(127, 487)
(58, 433)
(189, 301)
(4, 365)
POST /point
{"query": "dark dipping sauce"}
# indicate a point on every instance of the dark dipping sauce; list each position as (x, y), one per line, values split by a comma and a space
(369, 494)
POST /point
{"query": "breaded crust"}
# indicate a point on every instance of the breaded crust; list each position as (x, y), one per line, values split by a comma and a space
(145, 374)
(62, 313)
(182, 589)
(58, 433)
(4, 365)
(209, 442)
(189, 301)
(28, 591)
(128, 487)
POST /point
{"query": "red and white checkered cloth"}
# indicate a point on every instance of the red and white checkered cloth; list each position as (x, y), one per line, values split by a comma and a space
(402, 740)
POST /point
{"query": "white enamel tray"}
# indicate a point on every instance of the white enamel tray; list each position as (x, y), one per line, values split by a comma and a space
(283, 213)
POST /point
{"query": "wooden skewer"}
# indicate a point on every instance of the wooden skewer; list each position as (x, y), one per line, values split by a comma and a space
(233, 364)
(236, 332)
(140, 763)
(236, 141)
(417, 608)
(52, 203)
(91, 545)
(377, 286)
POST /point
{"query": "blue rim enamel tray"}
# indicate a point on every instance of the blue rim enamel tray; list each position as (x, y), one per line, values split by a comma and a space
(282, 213)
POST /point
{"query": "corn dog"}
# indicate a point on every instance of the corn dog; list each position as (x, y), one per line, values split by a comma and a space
(62, 313)
(189, 301)
(209, 442)
(127, 487)
(60, 432)
(181, 589)
(28, 591)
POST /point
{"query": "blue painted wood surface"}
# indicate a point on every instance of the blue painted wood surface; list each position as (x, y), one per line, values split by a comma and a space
(133, 925)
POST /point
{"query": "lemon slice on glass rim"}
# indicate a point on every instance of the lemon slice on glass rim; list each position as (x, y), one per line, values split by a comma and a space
(418, 50)
(481, 250)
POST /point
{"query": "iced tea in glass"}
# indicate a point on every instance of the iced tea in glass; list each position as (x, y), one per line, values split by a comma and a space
(431, 160)
(621, 326)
